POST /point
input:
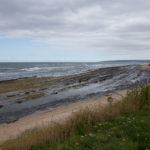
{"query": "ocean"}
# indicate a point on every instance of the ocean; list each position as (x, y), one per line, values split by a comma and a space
(9, 71)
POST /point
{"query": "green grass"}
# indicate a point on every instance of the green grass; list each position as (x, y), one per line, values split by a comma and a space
(127, 132)
(124, 125)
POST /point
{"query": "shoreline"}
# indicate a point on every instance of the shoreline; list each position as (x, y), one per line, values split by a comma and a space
(51, 115)
(21, 98)
(143, 67)
(69, 94)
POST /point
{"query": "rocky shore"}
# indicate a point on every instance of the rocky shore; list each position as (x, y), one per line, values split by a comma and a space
(22, 97)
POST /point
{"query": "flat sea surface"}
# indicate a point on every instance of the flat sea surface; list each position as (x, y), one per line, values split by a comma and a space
(10, 70)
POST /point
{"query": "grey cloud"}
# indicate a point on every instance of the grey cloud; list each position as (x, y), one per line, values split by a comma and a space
(102, 24)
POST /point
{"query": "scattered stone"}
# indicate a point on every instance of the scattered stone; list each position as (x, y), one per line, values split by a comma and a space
(33, 91)
(27, 93)
(43, 89)
(67, 83)
(19, 101)
(11, 95)
(1, 106)
(54, 92)
(80, 81)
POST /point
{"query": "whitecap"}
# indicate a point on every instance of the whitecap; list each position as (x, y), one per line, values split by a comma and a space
(31, 69)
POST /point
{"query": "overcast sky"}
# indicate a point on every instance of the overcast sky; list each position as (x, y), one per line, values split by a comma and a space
(74, 30)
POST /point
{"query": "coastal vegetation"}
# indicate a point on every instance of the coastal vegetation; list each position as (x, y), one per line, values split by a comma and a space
(119, 125)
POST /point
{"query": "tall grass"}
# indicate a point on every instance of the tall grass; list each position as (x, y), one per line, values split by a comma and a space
(80, 121)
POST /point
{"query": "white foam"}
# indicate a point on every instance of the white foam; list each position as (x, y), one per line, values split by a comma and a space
(31, 69)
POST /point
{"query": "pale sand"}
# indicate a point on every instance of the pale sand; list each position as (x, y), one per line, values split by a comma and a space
(145, 67)
(8, 131)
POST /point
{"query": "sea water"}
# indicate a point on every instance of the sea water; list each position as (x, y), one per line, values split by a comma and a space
(15, 70)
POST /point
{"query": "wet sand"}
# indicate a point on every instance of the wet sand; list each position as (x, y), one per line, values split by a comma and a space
(51, 115)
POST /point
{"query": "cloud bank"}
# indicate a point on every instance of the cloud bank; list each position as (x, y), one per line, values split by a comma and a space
(105, 25)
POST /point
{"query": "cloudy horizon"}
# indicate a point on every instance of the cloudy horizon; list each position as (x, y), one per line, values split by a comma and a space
(74, 30)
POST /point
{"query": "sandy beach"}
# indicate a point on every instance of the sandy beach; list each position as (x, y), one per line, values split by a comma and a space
(24, 107)
(71, 72)
(51, 115)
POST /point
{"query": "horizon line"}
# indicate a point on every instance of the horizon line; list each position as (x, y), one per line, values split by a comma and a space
(74, 61)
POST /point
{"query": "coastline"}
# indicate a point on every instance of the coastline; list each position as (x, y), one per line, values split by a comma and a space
(51, 115)
(20, 98)
(63, 96)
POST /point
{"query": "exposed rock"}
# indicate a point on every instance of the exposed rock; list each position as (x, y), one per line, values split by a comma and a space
(27, 93)
(11, 95)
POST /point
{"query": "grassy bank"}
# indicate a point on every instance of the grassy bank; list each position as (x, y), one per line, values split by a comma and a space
(129, 132)
(122, 125)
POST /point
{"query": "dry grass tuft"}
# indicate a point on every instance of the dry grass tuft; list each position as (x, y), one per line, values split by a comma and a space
(134, 100)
